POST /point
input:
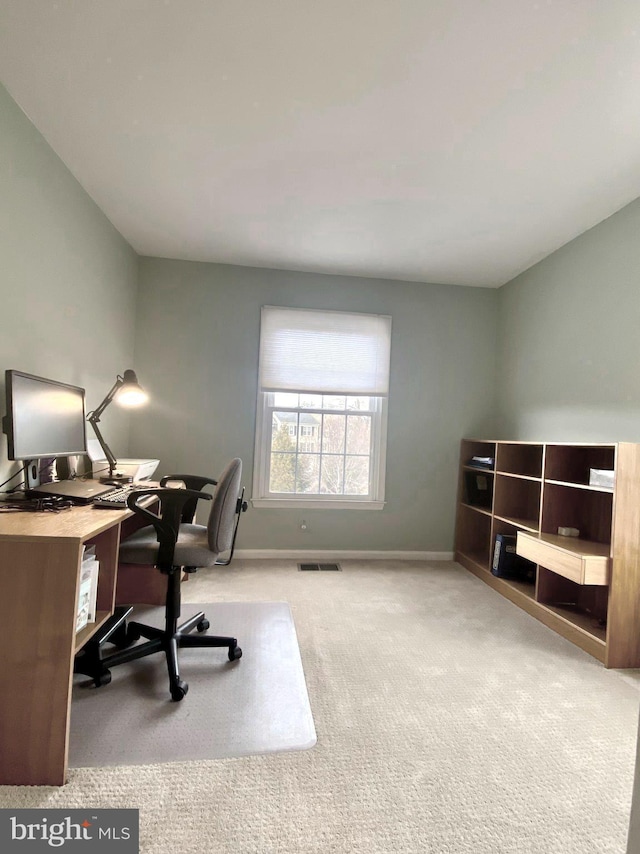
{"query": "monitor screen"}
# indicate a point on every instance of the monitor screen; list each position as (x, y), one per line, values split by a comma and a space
(44, 418)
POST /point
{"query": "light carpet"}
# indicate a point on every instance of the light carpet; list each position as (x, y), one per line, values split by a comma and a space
(258, 704)
(448, 720)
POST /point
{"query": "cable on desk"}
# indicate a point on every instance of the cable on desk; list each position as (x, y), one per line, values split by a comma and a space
(9, 479)
(19, 473)
(50, 504)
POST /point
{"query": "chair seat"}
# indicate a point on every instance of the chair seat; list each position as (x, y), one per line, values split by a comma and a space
(192, 548)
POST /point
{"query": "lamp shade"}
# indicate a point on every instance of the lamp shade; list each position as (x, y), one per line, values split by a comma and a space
(130, 392)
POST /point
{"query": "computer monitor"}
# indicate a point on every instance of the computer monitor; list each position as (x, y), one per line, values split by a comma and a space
(44, 419)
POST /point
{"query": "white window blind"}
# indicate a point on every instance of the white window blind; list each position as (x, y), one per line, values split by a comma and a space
(333, 352)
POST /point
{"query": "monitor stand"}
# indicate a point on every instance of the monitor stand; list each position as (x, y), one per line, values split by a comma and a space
(38, 471)
(31, 474)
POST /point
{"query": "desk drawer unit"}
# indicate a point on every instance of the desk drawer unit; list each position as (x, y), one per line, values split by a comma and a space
(580, 561)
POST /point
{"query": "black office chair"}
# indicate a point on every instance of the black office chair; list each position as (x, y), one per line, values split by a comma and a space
(173, 543)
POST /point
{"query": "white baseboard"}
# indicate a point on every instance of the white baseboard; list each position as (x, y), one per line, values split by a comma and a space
(328, 555)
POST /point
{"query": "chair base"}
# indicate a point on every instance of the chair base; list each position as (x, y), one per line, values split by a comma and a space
(94, 664)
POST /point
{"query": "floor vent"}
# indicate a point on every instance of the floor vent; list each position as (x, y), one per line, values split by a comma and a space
(316, 567)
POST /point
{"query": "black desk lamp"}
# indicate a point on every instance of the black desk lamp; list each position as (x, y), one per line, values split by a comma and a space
(127, 392)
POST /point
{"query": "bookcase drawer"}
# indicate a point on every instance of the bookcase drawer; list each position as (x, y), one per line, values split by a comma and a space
(578, 560)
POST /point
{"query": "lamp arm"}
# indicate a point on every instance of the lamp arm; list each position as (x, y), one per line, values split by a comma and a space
(113, 464)
(94, 417)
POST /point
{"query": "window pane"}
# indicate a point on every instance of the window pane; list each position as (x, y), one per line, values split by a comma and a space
(284, 428)
(363, 404)
(358, 434)
(356, 476)
(282, 476)
(308, 476)
(333, 428)
(284, 398)
(309, 433)
(331, 477)
(310, 401)
(332, 401)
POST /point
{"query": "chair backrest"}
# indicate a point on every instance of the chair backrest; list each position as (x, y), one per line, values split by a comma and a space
(221, 523)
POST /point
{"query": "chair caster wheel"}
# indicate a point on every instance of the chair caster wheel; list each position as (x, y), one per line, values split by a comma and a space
(234, 653)
(203, 625)
(179, 691)
(102, 679)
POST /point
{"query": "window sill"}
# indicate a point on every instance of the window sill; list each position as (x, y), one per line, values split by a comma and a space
(316, 504)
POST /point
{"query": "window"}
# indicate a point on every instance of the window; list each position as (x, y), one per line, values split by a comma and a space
(322, 405)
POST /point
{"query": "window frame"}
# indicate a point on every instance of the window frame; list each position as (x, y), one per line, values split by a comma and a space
(263, 498)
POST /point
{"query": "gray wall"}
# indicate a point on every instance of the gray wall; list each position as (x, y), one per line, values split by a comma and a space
(569, 342)
(197, 354)
(569, 352)
(68, 280)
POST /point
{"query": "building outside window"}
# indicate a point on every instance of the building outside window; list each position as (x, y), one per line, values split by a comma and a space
(322, 407)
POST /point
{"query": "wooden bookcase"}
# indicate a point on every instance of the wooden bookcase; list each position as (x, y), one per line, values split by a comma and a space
(586, 588)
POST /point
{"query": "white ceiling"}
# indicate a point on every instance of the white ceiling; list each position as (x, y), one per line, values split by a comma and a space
(453, 141)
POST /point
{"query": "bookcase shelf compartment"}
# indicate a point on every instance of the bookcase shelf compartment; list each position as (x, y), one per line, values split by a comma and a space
(591, 512)
(476, 448)
(518, 500)
(475, 536)
(572, 463)
(519, 458)
(581, 605)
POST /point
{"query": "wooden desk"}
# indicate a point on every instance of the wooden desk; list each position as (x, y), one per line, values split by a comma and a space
(40, 558)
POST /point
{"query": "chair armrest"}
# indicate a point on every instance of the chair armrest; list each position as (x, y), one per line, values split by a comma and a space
(191, 481)
(167, 521)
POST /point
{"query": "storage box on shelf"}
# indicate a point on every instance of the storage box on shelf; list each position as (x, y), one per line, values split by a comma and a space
(587, 587)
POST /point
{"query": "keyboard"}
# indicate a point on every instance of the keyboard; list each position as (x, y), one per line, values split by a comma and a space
(117, 498)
